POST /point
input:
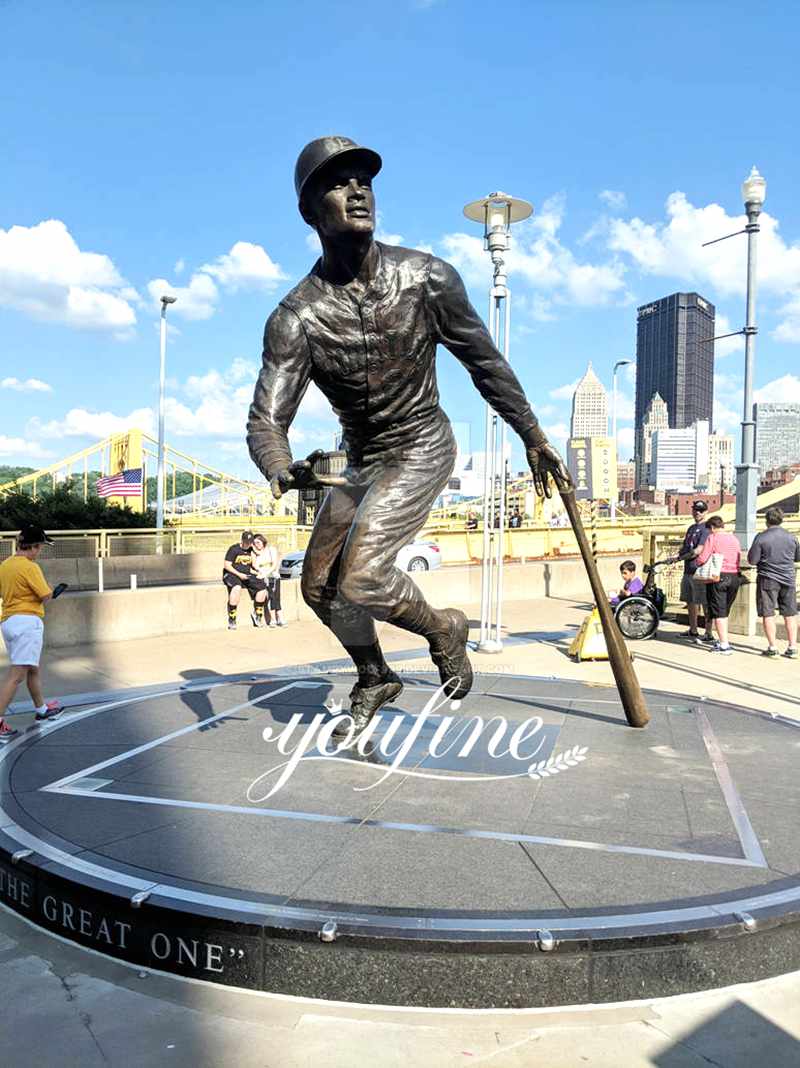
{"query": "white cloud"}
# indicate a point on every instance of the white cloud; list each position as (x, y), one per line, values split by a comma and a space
(179, 267)
(625, 442)
(673, 248)
(613, 199)
(246, 266)
(21, 450)
(566, 391)
(28, 385)
(558, 434)
(381, 234)
(198, 300)
(546, 411)
(81, 423)
(727, 345)
(313, 242)
(789, 328)
(213, 405)
(625, 406)
(785, 389)
(538, 257)
(44, 274)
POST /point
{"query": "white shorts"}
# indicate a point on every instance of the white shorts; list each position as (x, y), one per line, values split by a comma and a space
(23, 636)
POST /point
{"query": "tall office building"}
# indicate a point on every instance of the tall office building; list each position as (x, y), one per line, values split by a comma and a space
(720, 462)
(777, 435)
(589, 408)
(656, 417)
(592, 463)
(680, 457)
(626, 475)
(675, 358)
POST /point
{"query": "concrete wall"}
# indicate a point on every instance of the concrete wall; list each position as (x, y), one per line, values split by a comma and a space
(168, 570)
(118, 615)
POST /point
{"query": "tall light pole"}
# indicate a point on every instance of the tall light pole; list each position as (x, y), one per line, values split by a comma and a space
(496, 212)
(754, 191)
(165, 300)
(617, 365)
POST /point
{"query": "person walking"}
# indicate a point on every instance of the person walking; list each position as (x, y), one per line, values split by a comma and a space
(265, 564)
(693, 593)
(774, 553)
(24, 592)
(721, 595)
(238, 574)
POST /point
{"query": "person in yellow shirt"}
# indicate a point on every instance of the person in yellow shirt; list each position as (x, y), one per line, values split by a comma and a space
(24, 591)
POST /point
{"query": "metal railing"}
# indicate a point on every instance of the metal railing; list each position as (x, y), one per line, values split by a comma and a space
(138, 541)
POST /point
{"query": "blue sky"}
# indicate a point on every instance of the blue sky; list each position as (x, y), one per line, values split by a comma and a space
(154, 144)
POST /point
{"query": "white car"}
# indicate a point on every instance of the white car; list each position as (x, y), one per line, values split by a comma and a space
(418, 556)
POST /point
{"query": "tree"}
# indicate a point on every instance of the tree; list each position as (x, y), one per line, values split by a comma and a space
(11, 474)
(64, 509)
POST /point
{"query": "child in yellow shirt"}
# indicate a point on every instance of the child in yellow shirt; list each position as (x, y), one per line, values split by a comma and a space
(24, 591)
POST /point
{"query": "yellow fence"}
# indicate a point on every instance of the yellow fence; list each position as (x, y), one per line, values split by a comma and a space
(77, 544)
(652, 537)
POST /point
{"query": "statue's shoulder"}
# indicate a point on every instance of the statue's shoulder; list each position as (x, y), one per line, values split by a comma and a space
(305, 292)
(407, 258)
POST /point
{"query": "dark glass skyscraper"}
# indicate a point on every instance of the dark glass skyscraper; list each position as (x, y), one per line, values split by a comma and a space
(674, 358)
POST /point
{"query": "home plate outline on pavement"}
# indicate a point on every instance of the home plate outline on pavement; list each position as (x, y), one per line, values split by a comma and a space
(93, 787)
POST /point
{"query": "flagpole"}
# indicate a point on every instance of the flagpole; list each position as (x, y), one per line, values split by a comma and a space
(165, 300)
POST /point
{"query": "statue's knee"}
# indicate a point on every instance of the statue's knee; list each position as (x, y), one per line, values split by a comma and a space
(311, 589)
(359, 585)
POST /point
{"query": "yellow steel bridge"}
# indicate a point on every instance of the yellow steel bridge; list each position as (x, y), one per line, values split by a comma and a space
(211, 493)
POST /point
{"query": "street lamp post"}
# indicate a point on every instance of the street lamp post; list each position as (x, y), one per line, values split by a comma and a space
(617, 365)
(754, 191)
(165, 300)
(496, 212)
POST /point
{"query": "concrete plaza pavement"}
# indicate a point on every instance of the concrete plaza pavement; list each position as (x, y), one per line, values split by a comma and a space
(65, 1006)
(538, 634)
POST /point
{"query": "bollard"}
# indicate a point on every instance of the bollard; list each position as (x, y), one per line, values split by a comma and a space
(100, 586)
(133, 582)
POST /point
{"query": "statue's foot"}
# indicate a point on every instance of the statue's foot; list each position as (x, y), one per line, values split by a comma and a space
(449, 654)
(366, 701)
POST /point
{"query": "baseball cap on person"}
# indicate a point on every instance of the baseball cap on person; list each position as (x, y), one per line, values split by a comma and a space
(33, 535)
(699, 506)
(247, 535)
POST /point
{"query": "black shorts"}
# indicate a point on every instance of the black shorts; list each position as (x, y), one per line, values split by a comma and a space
(772, 594)
(721, 595)
(253, 585)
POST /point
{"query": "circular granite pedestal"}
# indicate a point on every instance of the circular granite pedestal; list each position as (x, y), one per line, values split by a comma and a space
(552, 855)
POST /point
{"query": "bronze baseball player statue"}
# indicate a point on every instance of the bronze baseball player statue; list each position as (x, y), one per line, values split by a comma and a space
(364, 325)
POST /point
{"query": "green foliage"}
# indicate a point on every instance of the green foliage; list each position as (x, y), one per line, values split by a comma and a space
(11, 474)
(183, 484)
(64, 509)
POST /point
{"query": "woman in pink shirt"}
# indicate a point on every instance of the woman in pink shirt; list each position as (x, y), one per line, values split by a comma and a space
(722, 594)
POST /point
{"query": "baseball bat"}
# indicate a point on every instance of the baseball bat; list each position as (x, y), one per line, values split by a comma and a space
(630, 691)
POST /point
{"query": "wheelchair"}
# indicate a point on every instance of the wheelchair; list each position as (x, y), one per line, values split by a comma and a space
(638, 616)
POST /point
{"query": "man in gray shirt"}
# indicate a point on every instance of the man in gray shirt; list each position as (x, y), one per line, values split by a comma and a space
(775, 552)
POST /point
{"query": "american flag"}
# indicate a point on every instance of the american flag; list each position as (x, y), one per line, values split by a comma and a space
(123, 484)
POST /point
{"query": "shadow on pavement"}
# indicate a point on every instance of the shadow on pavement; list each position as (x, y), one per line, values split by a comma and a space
(737, 1037)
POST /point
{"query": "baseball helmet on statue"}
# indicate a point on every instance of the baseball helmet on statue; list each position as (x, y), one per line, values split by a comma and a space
(321, 151)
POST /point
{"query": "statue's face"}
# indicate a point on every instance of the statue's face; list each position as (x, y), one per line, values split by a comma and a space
(341, 200)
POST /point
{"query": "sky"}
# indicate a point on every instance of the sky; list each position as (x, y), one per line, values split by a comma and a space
(150, 148)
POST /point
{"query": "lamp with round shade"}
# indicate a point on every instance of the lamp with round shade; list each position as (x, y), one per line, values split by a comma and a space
(497, 212)
(754, 188)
